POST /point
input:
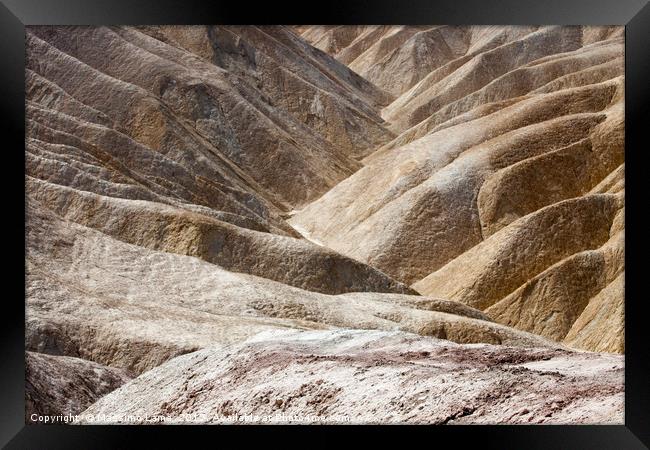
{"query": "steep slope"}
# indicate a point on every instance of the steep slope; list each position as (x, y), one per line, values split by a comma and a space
(127, 306)
(396, 58)
(371, 377)
(328, 97)
(160, 227)
(62, 385)
(250, 224)
(213, 122)
(183, 152)
(493, 145)
(501, 69)
(391, 57)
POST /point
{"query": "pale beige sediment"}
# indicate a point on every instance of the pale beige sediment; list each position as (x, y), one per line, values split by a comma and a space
(236, 193)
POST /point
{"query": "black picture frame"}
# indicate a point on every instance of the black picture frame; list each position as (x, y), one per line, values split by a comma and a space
(634, 14)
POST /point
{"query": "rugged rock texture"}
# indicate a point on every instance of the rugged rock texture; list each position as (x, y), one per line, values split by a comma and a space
(379, 193)
(62, 385)
(176, 230)
(127, 306)
(371, 377)
(150, 99)
(329, 98)
(504, 189)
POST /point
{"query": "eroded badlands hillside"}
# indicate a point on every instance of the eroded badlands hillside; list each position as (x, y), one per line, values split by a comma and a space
(352, 376)
(504, 189)
(271, 194)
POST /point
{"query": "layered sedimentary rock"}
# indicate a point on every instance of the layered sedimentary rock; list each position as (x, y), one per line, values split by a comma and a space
(128, 306)
(320, 214)
(65, 386)
(508, 162)
(197, 117)
(161, 227)
(371, 377)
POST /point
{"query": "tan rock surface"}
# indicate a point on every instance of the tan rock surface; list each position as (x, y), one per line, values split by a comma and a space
(209, 119)
(274, 208)
(371, 377)
(135, 308)
(510, 257)
(160, 227)
(501, 69)
(493, 145)
(601, 326)
(328, 97)
(411, 217)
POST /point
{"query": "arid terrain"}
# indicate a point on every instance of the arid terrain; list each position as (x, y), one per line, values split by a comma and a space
(347, 224)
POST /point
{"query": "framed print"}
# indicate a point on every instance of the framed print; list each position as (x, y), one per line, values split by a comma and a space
(379, 214)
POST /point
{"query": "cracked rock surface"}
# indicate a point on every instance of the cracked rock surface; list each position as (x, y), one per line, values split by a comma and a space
(348, 376)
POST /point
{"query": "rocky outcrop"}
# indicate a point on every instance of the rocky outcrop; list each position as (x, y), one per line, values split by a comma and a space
(216, 123)
(135, 308)
(370, 377)
(329, 98)
(176, 230)
(294, 221)
(426, 205)
(499, 69)
(58, 387)
(507, 159)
